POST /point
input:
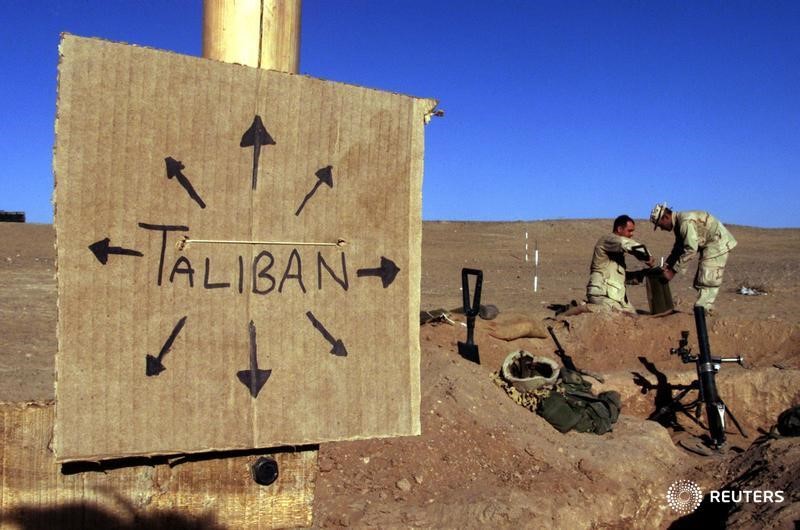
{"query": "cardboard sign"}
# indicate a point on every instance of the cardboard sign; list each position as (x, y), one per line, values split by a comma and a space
(238, 256)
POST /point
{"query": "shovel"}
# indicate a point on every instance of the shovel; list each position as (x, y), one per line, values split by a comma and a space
(469, 350)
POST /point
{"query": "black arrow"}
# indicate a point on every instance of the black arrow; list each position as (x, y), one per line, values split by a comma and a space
(253, 378)
(338, 346)
(387, 271)
(174, 168)
(154, 366)
(324, 176)
(101, 250)
(255, 137)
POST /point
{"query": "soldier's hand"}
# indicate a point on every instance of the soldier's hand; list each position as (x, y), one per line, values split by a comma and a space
(668, 273)
(651, 261)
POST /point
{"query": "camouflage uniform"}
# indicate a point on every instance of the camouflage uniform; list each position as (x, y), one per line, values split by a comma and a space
(607, 273)
(700, 232)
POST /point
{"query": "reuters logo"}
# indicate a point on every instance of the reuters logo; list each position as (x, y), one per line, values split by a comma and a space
(684, 496)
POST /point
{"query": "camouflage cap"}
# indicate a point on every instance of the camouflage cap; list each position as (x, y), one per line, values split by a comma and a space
(657, 212)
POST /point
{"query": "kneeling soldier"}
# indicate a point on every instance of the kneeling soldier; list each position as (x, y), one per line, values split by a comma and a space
(607, 277)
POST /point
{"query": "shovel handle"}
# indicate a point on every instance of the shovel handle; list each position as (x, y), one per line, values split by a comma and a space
(471, 307)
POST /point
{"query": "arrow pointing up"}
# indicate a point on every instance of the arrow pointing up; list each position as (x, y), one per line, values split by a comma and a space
(324, 176)
(101, 250)
(387, 272)
(253, 378)
(255, 137)
(174, 168)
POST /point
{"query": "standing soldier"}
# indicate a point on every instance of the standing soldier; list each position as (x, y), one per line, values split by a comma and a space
(607, 276)
(700, 233)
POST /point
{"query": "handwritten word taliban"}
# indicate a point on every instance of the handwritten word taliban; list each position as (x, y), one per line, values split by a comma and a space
(264, 271)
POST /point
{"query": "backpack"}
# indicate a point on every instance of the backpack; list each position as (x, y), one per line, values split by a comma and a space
(577, 408)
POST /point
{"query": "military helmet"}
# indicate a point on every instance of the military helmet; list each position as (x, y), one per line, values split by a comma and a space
(657, 212)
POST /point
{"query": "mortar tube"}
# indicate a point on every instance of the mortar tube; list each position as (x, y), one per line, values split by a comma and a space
(715, 409)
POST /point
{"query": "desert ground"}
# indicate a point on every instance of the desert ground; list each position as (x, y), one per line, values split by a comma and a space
(483, 461)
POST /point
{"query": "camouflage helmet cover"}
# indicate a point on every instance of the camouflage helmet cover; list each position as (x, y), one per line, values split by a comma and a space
(657, 212)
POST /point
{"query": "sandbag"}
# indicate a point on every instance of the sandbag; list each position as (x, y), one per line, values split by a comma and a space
(531, 328)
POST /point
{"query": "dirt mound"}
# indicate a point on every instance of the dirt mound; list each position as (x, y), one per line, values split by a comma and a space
(484, 460)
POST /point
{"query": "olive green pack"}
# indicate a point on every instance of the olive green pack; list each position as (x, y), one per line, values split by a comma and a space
(577, 408)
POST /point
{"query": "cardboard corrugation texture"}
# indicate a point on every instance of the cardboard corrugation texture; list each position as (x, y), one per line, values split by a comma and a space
(209, 493)
(121, 111)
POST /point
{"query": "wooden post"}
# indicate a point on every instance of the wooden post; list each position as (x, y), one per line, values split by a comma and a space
(202, 492)
(258, 33)
(263, 34)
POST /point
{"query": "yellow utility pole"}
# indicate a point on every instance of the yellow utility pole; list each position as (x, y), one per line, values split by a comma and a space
(258, 33)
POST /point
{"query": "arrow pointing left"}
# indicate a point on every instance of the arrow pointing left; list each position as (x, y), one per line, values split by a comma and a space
(101, 250)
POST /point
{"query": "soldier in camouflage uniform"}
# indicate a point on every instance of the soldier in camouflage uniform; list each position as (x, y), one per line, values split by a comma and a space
(607, 277)
(699, 233)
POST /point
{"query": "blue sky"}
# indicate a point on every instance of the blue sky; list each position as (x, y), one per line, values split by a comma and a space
(554, 109)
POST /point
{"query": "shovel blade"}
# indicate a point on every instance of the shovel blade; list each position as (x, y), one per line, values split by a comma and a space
(469, 352)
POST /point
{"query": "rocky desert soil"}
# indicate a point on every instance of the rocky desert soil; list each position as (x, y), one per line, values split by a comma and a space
(483, 461)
